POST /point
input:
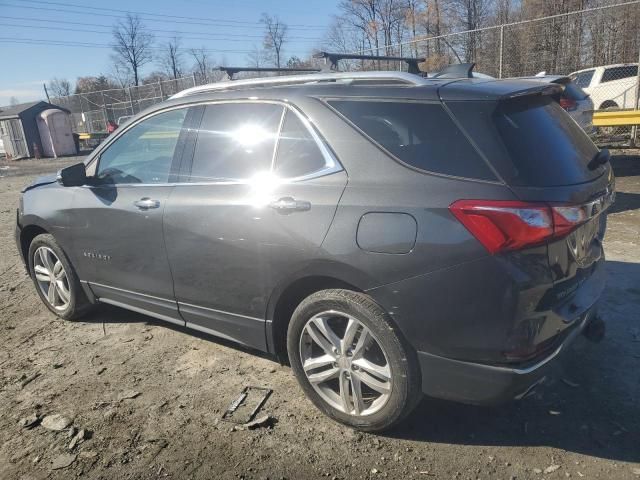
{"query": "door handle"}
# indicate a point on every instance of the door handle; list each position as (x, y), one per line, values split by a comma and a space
(286, 205)
(146, 203)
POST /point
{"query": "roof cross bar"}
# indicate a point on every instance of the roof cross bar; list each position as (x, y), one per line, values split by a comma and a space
(412, 62)
(231, 71)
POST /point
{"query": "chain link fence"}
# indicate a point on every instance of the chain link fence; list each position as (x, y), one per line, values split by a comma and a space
(599, 47)
(92, 111)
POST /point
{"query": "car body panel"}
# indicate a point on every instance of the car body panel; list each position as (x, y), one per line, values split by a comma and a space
(216, 257)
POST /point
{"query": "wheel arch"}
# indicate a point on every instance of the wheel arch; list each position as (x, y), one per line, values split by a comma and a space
(288, 298)
(27, 234)
(608, 104)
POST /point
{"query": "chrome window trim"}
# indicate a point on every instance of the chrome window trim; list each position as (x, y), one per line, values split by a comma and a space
(332, 165)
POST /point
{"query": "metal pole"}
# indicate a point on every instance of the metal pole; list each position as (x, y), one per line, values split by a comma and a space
(130, 100)
(104, 109)
(501, 52)
(193, 76)
(46, 92)
(634, 129)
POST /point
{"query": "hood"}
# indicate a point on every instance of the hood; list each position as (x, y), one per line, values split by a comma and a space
(40, 181)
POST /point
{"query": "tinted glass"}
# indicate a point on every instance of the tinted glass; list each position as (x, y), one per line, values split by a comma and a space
(546, 147)
(236, 141)
(420, 134)
(298, 154)
(583, 79)
(144, 153)
(617, 73)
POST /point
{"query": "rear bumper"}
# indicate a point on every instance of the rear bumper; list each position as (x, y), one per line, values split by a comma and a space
(482, 384)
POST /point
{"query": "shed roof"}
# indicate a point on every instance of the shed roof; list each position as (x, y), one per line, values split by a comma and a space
(14, 111)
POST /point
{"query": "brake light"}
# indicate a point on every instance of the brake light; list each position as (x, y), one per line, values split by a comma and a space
(512, 225)
(568, 104)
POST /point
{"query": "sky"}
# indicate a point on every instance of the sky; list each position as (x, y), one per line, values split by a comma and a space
(43, 39)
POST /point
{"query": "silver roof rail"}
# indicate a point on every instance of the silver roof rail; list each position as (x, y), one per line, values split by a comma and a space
(344, 77)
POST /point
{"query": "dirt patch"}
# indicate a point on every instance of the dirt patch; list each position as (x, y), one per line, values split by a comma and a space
(149, 396)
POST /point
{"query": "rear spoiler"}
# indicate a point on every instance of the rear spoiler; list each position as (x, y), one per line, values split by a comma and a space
(550, 89)
(481, 89)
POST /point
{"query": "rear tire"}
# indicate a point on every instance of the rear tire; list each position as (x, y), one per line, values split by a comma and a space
(351, 362)
(55, 279)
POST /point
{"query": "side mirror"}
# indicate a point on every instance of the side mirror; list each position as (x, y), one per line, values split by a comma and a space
(73, 176)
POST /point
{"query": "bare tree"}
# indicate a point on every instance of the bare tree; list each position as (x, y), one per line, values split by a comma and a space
(120, 75)
(203, 63)
(60, 87)
(132, 45)
(274, 37)
(171, 57)
(13, 101)
(256, 58)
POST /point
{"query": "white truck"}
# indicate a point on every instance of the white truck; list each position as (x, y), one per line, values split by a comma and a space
(610, 86)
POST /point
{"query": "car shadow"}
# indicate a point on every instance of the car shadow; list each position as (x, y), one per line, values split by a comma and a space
(109, 314)
(625, 201)
(589, 405)
(625, 165)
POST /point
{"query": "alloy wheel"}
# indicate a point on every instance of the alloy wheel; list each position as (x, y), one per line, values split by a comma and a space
(52, 278)
(345, 363)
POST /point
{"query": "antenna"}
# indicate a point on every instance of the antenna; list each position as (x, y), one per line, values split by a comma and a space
(458, 70)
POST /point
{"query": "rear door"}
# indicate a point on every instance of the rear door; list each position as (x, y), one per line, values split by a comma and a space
(256, 203)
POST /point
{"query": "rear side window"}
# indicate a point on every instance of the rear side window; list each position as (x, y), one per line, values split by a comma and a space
(298, 154)
(236, 141)
(421, 135)
(546, 147)
(583, 79)
(618, 73)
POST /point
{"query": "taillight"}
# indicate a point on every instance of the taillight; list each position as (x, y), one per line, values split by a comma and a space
(568, 104)
(512, 225)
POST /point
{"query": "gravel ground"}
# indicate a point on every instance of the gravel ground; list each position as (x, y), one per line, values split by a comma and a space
(149, 396)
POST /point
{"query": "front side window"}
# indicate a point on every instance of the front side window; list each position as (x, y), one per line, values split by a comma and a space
(618, 73)
(236, 141)
(145, 152)
(421, 135)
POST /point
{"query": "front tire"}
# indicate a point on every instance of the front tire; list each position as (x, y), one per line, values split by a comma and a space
(350, 361)
(55, 279)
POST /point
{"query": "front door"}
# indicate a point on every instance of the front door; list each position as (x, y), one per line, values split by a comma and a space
(118, 217)
(260, 197)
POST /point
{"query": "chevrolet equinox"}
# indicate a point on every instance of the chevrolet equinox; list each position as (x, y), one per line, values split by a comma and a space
(386, 234)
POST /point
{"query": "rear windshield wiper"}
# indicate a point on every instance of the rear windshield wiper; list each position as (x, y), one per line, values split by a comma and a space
(602, 157)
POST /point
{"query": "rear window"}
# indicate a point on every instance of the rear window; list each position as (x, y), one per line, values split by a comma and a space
(618, 73)
(547, 148)
(583, 79)
(421, 135)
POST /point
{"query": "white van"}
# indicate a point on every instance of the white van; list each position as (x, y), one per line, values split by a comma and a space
(610, 86)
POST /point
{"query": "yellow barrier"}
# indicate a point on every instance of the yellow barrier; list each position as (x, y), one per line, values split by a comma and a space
(616, 118)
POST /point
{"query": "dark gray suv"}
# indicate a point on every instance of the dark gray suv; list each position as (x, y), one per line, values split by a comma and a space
(389, 235)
